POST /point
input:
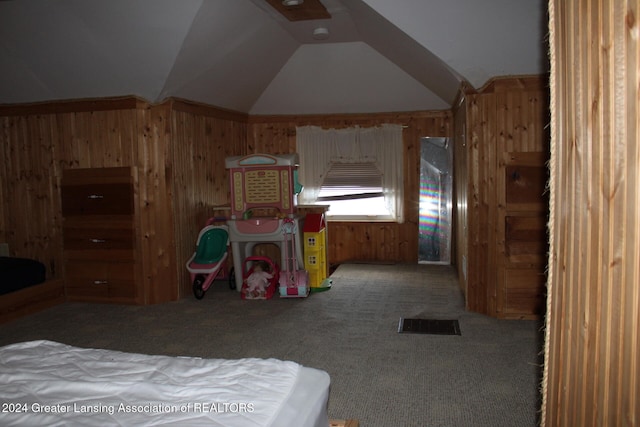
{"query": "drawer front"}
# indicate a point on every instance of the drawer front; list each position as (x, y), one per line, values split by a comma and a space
(99, 238)
(97, 279)
(97, 199)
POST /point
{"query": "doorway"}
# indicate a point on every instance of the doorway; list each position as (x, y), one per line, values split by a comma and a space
(436, 190)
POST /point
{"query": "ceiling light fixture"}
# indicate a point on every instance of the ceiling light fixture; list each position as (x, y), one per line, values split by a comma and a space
(321, 33)
(292, 2)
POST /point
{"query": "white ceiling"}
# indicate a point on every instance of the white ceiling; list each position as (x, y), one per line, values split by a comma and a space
(381, 55)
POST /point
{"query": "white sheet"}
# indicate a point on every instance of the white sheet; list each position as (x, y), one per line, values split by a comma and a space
(48, 383)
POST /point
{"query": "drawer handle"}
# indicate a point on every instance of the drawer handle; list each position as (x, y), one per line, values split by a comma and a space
(95, 196)
(97, 240)
(100, 282)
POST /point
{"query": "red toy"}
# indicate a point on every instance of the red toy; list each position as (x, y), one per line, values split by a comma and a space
(257, 264)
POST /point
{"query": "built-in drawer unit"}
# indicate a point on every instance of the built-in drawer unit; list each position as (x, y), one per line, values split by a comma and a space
(99, 234)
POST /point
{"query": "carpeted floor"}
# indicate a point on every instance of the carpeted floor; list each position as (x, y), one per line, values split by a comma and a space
(487, 376)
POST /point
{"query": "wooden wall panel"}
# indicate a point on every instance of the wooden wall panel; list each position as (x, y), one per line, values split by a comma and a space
(506, 157)
(374, 242)
(177, 150)
(481, 174)
(96, 138)
(592, 344)
(31, 221)
(39, 141)
(37, 144)
(201, 138)
(155, 204)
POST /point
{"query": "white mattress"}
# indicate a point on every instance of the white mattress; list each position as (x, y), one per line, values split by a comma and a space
(48, 383)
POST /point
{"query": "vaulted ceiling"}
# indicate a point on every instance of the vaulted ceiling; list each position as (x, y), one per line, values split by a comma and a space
(245, 55)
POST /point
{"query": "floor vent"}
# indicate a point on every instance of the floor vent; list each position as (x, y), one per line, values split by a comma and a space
(429, 326)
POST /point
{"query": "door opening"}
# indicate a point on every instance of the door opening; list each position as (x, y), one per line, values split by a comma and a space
(436, 164)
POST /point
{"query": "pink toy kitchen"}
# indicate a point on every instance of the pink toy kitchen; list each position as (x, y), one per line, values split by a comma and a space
(264, 210)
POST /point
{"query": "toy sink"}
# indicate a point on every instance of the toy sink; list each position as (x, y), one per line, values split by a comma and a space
(253, 226)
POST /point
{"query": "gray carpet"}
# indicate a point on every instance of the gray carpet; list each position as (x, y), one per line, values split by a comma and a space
(488, 376)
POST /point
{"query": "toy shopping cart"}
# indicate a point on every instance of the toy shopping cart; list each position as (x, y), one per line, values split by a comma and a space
(210, 258)
(294, 283)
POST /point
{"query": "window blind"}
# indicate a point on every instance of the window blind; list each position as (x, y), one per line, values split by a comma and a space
(347, 181)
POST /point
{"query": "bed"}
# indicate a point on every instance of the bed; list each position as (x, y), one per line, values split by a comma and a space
(20, 273)
(24, 288)
(54, 384)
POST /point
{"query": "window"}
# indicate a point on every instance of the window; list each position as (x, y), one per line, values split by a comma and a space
(356, 171)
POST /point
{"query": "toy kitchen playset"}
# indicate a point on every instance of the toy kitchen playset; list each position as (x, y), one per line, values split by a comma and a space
(267, 183)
